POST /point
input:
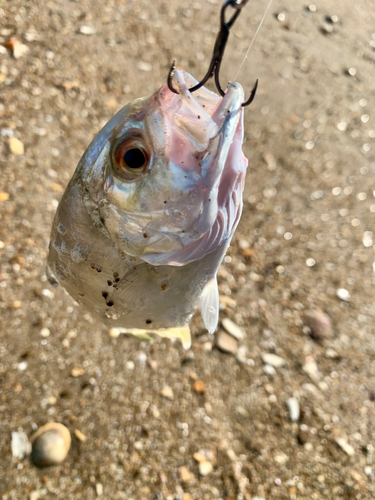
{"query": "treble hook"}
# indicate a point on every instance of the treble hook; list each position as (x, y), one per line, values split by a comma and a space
(217, 56)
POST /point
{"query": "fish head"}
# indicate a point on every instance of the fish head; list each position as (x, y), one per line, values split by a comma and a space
(164, 178)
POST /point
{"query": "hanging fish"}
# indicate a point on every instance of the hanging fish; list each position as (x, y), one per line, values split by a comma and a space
(149, 213)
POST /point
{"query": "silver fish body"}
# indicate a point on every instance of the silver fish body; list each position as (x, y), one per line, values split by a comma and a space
(139, 245)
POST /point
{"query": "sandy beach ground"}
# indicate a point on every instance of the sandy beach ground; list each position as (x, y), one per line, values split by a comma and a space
(305, 240)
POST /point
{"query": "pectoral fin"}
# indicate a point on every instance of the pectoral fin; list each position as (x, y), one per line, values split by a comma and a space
(209, 305)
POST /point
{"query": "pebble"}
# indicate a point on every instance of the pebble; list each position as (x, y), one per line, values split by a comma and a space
(167, 392)
(199, 387)
(17, 48)
(269, 370)
(205, 468)
(87, 30)
(343, 294)
(241, 356)
(141, 358)
(6, 132)
(227, 301)
(77, 372)
(21, 446)
(332, 354)
(45, 332)
(16, 146)
(50, 444)
(293, 406)
(114, 333)
(226, 343)
(99, 489)
(4, 196)
(303, 434)
(144, 66)
(203, 455)
(344, 445)
(233, 329)
(319, 323)
(79, 435)
(273, 360)
(311, 368)
(281, 458)
(185, 475)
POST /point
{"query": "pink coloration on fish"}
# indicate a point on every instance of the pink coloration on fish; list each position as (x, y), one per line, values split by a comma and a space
(145, 222)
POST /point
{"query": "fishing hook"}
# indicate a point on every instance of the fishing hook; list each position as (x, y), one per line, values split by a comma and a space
(217, 56)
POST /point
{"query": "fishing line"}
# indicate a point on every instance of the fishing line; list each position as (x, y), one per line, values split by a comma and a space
(252, 41)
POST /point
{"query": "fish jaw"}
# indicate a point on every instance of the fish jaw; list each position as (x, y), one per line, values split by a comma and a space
(218, 163)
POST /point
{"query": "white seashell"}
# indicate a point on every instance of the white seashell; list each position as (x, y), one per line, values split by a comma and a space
(50, 444)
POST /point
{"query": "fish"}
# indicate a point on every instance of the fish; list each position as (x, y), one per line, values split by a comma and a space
(146, 220)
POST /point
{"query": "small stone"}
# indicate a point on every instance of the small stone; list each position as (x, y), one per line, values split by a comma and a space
(99, 489)
(293, 406)
(16, 146)
(6, 132)
(207, 346)
(203, 455)
(205, 468)
(57, 187)
(303, 434)
(281, 458)
(273, 360)
(356, 476)
(35, 495)
(77, 372)
(87, 30)
(153, 364)
(141, 358)
(167, 392)
(114, 333)
(185, 475)
(4, 196)
(227, 301)
(79, 435)
(331, 354)
(45, 332)
(21, 447)
(199, 387)
(344, 445)
(50, 444)
(311, 368)
(186, 496)
(326, 29)
(17, 48)
(226, 343)
(269, 370)
(343, 294)
(233, 329)
(319, 323)
(241, 356)
(21, 367)
(144, 66)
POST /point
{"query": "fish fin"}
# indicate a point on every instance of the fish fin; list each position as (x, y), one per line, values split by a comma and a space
(209, 305)
(182, 333)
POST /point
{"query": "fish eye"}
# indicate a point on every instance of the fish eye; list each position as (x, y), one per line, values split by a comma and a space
(130, 158)
(134, 158)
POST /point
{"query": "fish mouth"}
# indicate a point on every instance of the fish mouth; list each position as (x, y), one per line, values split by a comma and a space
(204, 135)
